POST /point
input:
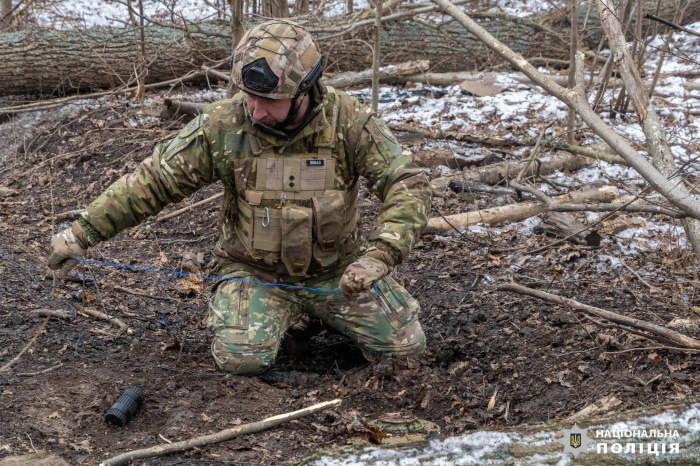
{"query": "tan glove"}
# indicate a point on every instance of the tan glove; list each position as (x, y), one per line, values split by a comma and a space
(69, 243)
(361, 274)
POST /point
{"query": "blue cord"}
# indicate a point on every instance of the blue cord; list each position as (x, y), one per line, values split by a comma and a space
(140, 269)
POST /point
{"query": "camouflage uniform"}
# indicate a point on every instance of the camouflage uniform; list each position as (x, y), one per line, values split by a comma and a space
(289, 216)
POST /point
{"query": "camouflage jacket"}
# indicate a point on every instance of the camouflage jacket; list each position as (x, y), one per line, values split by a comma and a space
(341, 141)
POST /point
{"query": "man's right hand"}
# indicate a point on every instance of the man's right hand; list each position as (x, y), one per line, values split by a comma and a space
(65, 246)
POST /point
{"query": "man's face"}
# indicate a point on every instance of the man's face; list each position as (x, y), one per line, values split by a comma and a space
(268, 111)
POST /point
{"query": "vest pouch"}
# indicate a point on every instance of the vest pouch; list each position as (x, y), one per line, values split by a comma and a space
(267, 229)
(329, 216)
(325, 258)
(297, 225)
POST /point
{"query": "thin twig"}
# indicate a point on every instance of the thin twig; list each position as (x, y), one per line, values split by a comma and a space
(634, 272)
(27, 346)
(32, 374)
(671, 348)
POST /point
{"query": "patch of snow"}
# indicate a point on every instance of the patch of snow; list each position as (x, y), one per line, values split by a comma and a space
(480, 448)
(442, 170)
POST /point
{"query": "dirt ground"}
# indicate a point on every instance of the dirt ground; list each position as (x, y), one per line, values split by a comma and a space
(538, 361)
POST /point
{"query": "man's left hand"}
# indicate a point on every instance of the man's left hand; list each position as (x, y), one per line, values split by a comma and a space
(361, 274)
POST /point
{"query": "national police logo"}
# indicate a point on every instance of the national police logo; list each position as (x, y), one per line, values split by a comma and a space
(575, 440)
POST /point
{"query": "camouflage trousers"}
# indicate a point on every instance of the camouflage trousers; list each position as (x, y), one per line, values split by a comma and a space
(250, 320)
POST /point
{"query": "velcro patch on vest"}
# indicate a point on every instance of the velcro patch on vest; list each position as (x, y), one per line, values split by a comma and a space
(315, 163)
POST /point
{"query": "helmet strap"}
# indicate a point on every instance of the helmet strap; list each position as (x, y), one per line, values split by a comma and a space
(291, 115)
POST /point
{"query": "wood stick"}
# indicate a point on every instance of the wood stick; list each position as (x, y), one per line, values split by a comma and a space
(103, 316)
(376, 50)
(387, 73)
(47, 312)
(70, 214)
(634, 272)
(27, 346)
(176, 108)
(31, 374)
(654, 329)
(221, 436)
(189, 207)
(217, 74)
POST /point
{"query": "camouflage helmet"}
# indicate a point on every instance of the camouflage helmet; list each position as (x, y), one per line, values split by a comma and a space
(277, 59)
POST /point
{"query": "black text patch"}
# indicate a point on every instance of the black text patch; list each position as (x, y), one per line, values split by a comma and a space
(315, 163)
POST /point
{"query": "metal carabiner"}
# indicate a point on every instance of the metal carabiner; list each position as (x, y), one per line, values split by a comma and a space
(267, 213)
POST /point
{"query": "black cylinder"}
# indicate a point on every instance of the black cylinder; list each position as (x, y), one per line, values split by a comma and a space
(126, 406)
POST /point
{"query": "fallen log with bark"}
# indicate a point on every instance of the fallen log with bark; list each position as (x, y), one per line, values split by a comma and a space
(518, 212)
(498, 172)
(386, 73)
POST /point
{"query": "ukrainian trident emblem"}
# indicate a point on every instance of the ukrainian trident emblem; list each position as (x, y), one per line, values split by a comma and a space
(575, 440)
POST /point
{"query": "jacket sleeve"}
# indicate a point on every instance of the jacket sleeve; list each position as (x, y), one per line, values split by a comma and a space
(402, 187)
(175, 170)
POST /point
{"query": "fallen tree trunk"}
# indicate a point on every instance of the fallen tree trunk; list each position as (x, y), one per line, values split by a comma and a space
(350, 78)
(60, 62)
(49, 62)
(499, 172)
(517, 212)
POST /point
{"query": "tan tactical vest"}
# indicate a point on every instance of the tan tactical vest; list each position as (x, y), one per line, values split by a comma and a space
(297, 207)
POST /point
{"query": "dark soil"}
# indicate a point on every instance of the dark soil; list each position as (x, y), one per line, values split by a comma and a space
(539, 361)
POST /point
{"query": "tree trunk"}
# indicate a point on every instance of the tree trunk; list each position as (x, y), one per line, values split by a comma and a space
(282, 9)
(376, 55)
(58, 62)
(301, 7)
(236, 34)
(5, 17)
(538, 444)
(499, 172)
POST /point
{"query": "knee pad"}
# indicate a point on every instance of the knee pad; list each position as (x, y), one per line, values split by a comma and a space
(241, 358)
